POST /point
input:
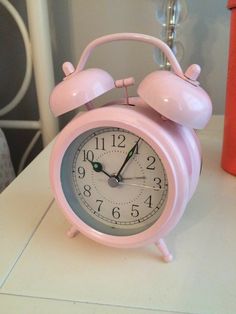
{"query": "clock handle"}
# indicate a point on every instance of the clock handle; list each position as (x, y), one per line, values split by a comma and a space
(133, 37)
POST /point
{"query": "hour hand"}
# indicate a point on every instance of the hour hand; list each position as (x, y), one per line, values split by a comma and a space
(97, 166)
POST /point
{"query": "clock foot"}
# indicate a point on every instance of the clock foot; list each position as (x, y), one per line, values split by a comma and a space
(72, 232)
(167, 257)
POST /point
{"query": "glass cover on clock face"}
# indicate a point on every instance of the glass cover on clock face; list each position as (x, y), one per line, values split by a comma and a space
(114, 181)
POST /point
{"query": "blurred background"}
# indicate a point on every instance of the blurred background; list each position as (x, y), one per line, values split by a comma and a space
(201, 36)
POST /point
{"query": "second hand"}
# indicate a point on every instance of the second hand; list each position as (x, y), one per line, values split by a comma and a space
(142, 186)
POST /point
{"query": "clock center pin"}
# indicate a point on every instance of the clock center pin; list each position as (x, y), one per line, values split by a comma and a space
(113, 181)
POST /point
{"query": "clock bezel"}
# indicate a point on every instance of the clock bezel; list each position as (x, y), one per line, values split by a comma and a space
(81, 204)
(145, 123)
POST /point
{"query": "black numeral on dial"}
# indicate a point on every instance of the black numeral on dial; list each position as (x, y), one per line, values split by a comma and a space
(88, 155)
(134, 211)
(87, 190)
(81, 172)
(157, 181)
(148, 201)
(99, 143)
(151, 160)
(99, 204)
(118, 140)
(116, 212)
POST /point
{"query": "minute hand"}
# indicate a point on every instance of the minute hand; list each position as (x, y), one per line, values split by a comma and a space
(129, 155)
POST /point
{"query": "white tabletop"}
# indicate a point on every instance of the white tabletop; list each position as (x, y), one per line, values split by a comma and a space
(43, 271)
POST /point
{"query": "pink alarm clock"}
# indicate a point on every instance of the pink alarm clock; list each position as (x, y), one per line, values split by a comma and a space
(124, 173)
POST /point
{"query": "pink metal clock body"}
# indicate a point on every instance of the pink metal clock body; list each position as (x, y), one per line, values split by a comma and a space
(169, 107)
(177, 146)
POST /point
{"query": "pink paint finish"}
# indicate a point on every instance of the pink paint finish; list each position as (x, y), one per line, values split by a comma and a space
(78, 89)
(176, 99)
(170, 105)
(166, 138)
(131, 37)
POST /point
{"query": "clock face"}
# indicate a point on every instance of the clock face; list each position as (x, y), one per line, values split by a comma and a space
(114, 181)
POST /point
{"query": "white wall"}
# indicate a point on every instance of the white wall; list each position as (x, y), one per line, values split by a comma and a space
(204, 35)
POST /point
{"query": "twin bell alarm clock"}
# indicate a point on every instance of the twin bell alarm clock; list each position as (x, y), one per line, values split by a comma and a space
(123, 173)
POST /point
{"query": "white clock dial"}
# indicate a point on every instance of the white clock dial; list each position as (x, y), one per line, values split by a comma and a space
(114, 181)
